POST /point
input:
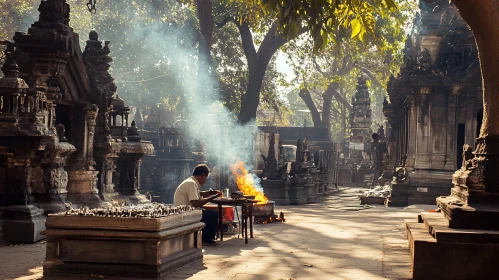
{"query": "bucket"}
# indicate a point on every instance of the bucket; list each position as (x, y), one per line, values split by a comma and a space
(227, 210)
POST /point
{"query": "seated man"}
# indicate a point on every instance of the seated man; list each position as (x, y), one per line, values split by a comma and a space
(188, 193)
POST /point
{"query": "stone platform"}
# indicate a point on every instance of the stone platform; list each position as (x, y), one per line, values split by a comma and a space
(440, 252)
(417, 193)
(122, 246)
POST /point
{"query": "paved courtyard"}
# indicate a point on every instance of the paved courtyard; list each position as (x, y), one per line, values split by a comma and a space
(327, 240)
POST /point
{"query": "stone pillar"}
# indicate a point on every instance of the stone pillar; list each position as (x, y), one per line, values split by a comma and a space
(22, 222)
(422, 158)
(450, 162)
(91, 112)
(411, 132)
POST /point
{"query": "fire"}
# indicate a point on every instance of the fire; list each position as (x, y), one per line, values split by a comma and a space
(245, 182)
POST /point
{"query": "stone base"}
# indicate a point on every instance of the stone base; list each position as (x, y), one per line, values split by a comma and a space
(439, 252)
(404, 194)
(277, 190)
(159, 271)
(52, 203)
(476, 216)
(297, 192)
(23, 224)
(368, 200)
(138, 247)
(311, 195)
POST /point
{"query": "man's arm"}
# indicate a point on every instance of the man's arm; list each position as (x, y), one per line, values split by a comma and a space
(203, 200)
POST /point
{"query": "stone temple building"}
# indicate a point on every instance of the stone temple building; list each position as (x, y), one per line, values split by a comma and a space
(435, 103)
(65, 139)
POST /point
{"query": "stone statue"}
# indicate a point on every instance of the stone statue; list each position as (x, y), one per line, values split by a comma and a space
(270, 170)
(467, 157)
(381, 132)
(61, 132)
(378, 150)
(132, 130)
(132, 133)
(282, 163)
(400, 172)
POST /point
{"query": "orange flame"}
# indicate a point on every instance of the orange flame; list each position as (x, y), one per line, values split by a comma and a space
(245, 182)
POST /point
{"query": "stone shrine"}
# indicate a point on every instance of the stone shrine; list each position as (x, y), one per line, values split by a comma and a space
(435, 104)
(60, 145)
(352, 170)
(360, 124)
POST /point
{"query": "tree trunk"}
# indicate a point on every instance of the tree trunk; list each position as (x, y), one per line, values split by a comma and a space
(251, 99)
(327, 98)
(483, 18)
(343, 122)
(257, 65)
(307, 98)
(205, 15)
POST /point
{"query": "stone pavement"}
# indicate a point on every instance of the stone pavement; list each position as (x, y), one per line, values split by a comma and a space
(327, 240)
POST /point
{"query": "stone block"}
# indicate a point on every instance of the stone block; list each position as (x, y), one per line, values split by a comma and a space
(277, 190)
(297, 192)
(122, 246)
(23, 224)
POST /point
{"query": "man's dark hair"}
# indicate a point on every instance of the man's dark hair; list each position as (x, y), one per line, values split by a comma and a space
(375, 136)
(201, 169)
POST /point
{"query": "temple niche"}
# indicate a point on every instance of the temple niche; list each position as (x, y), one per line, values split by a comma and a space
(434, 105)
(59, 143)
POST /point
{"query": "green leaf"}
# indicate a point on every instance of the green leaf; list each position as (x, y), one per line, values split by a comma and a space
(356, 27)
(391, 4)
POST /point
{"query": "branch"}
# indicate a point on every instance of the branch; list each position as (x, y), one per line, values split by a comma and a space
(224, 21)
(247, 42)
(273, 41)
(317, 66)
(305, 96)
(332, 88)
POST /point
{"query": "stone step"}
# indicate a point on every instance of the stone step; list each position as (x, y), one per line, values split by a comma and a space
(438, 226)
(439, 252)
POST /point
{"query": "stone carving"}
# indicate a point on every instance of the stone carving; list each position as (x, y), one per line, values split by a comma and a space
(424, 59)
(400, 172)
(58, 179)
(467, 157)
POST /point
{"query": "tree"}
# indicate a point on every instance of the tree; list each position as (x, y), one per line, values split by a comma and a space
(323, 17)
(331, 73)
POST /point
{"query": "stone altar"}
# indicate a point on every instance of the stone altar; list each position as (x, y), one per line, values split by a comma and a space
(125, 241)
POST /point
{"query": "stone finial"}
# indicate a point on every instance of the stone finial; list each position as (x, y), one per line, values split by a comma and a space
(93, 36)
(54, 11)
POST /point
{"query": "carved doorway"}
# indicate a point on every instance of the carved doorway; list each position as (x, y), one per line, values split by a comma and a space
(62, 117)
